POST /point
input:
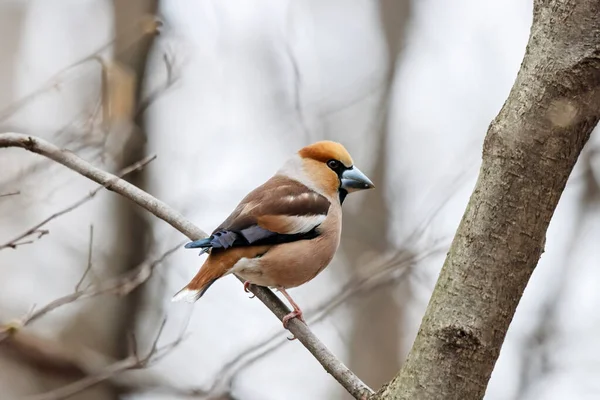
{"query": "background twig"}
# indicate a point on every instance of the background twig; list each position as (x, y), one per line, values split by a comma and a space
(17, 241)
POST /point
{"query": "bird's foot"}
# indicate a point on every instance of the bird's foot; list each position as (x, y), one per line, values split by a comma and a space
(293, 314)
(296, 313)
(247, 289)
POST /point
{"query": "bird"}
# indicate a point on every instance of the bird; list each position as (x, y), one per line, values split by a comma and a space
(286, 231)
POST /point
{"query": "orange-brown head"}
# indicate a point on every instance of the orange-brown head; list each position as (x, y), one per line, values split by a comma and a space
(329, 168)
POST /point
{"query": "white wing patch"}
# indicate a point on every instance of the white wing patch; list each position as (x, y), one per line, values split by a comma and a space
(300, 197)
(302, 223)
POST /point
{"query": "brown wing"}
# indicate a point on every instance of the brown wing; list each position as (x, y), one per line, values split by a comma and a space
(281, 210)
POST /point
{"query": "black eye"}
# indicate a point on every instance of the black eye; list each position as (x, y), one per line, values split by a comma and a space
(333, 164)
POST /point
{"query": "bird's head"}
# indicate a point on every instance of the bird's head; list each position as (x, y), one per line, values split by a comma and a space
(330, 168)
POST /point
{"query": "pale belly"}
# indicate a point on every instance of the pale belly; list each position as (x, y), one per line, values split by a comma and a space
(288, 265)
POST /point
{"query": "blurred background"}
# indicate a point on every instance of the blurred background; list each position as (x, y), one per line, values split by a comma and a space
(222, 92)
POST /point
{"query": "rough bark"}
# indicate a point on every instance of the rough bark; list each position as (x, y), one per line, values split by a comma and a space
(528, 154)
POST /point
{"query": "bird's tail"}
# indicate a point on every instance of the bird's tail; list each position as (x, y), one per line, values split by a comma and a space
(204, 244)
(207, 275)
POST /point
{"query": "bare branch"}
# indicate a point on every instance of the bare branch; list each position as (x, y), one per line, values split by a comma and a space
(120, 286)
(89, 262)
(20, 241)
(36, 229)
(107, 180)
(10, 194)
(77, 360)
(389, 272)
(49, 354)
(138, 31)
(172, 78)
(89, 381)
(154, 346)
(129, 363)
(94, 366)
(297, 89)
(301, 331)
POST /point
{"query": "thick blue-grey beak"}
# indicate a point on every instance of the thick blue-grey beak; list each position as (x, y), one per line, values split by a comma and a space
(353, 179)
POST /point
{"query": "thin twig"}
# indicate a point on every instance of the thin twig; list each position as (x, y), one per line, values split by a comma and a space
(154, 346)
(297, 90)
(55, 80)
(301, 331)
(169, 61)
(89, 261)
(67, 391)
(10, 194)
(12, 244)
(120, 286)
(94, 366)
(133, 361)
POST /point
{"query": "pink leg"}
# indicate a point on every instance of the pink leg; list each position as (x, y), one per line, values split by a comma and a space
(246, 288)
(297, 313)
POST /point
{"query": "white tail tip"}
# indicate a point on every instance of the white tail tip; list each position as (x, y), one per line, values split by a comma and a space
(187, 295)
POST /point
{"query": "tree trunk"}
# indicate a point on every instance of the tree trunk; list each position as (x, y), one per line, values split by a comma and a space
(528, 154)
(131, 52)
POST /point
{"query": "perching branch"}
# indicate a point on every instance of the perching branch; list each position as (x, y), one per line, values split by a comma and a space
(302, 332)
(388, 272)
(528, 154)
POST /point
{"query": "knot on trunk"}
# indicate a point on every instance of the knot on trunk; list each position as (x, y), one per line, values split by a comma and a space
(457, 338)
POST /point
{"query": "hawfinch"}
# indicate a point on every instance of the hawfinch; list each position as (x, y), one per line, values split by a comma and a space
(286, 231)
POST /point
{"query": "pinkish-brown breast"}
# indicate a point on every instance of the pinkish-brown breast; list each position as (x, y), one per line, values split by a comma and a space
(292, 264)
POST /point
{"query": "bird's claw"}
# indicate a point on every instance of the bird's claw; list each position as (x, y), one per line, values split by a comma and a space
(247, 289)
(286, 320)
(293, 314)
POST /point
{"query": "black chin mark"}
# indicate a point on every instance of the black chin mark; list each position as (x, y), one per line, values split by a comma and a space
(342, 193)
